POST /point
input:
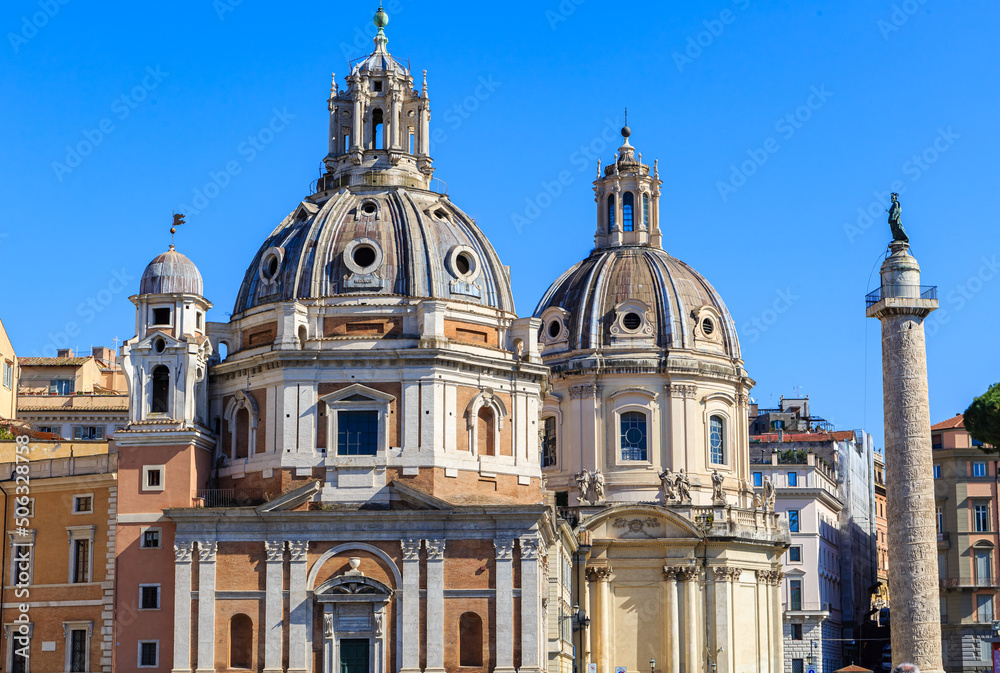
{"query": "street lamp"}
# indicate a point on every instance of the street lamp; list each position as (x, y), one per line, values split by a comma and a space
(652, 666)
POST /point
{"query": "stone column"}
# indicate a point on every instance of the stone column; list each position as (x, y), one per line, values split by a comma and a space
(356, 137)
(298, 607)
(721, 651)
(530, 607)
(600, 643)
(273, 605)
(916, 611)
(504, 617)
(692, 627)
(435, 606)
(411, 606)
(672, 638)
(182, 606)
(207, 550)
(763, 621)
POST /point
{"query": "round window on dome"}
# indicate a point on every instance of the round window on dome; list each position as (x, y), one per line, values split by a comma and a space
(631, 321)
(707, 326)
(364, 256)
(159, 345)
(463, 263)
(270, 267)
(555, 329)
(369, 208)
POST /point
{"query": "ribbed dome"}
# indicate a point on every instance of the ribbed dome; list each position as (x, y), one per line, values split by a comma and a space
(377, 241)
(675, 293)
(171, 272)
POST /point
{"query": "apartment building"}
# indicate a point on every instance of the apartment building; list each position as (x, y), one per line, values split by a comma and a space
(9, 374)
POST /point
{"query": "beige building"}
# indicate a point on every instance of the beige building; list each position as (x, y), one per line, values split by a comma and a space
(965, 492)
(74, 397)
(10, 375)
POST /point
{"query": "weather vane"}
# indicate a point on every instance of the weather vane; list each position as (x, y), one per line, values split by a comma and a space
(178, 221)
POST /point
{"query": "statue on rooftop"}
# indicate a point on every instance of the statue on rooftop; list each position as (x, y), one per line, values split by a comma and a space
(896, 220)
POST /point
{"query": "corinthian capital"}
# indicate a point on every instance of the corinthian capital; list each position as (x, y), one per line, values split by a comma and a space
(435, 550)
(274, 550)
(183, 551)
(411, 549)
(207, 549)
(505, 548)
(298, 550)
(529, 548)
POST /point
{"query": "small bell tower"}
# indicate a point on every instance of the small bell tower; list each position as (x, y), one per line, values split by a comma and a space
(628, 199)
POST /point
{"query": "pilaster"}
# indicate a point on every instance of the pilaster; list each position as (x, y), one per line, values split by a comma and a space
(435, 606)
(298, 607)
(504, 618)
(182, 606)
(273, 605)
(207, 550)
(411, 606)
(531, 609)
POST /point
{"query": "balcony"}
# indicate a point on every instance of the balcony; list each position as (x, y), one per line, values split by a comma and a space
(902, 292)
(232, 497)
(968, 583)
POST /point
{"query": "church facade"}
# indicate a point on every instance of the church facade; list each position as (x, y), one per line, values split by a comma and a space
(359, 484)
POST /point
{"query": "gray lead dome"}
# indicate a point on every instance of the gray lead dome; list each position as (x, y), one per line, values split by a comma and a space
(169, 273)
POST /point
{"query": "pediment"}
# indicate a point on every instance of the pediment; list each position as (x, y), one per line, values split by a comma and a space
(357, 393)
(642, 522)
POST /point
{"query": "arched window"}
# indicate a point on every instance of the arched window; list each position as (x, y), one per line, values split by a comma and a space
(485, 422)
(549, 442)
(161, 390)
(376, 129)
(611, 212)
(240, 642)
(242, 431)
(628, 205)
(303, 336)
(633, 435)
(470, 640)
(717, 439)
(645, 211)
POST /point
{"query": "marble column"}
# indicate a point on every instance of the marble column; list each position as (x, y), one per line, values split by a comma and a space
(530, 606)
(435, 606)
(722, 650)
(763, 622)
(504, 617)
(600, 642)
(692, 627)
(411, 606)
(672, 637)
(207, 550)
(182, 606)
(298, 607)
(273, 604)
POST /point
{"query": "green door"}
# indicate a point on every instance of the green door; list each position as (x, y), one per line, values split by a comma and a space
(354, 655)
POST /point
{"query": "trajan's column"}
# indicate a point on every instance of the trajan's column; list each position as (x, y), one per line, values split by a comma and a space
(902, 304)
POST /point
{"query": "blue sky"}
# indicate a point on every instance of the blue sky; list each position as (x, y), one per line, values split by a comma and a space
(773, 123)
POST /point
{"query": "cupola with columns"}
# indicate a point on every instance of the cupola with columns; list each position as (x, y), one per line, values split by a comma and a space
(628, 200)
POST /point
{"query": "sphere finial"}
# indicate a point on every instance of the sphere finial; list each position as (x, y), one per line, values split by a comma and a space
(626, 131)
(381, 18)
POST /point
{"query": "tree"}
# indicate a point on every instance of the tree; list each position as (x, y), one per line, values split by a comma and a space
(982, 419)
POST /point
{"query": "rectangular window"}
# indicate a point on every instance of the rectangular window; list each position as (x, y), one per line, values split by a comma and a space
(986, 650)
(161, 316)
(21, 568)
(149, 596)
(78, 650)
(797, 666)
(8, 375)
(942, 566)
(793, 520)
(19, 663)
(984, 608)
(357, 433)
(633, 435)
(85, 432)
(796, 632)
(758, 479)
(979, 469)
(981, 515)
(937, 471)
(936, 442)
(149, 653)
(795, 554)
(795, 594)
(793, 479)
(151, 538)
(83, 504)
(81, 561)
(984, 574)
(549, 442)
(940, 520)
(61, 387)
(152, 478)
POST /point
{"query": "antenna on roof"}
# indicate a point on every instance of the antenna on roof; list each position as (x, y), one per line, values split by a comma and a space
(178, 221)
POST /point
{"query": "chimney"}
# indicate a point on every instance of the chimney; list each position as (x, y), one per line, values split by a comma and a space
(64, 353)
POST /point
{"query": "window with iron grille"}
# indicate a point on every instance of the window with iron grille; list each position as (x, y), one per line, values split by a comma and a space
(149, 654)
(149, 596)
(633, 435)
(549, 442)
(78, 651)
(357, 433)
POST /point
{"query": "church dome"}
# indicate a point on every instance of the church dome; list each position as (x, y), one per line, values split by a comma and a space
(171, 272)
(621, 295)
(399, 241)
